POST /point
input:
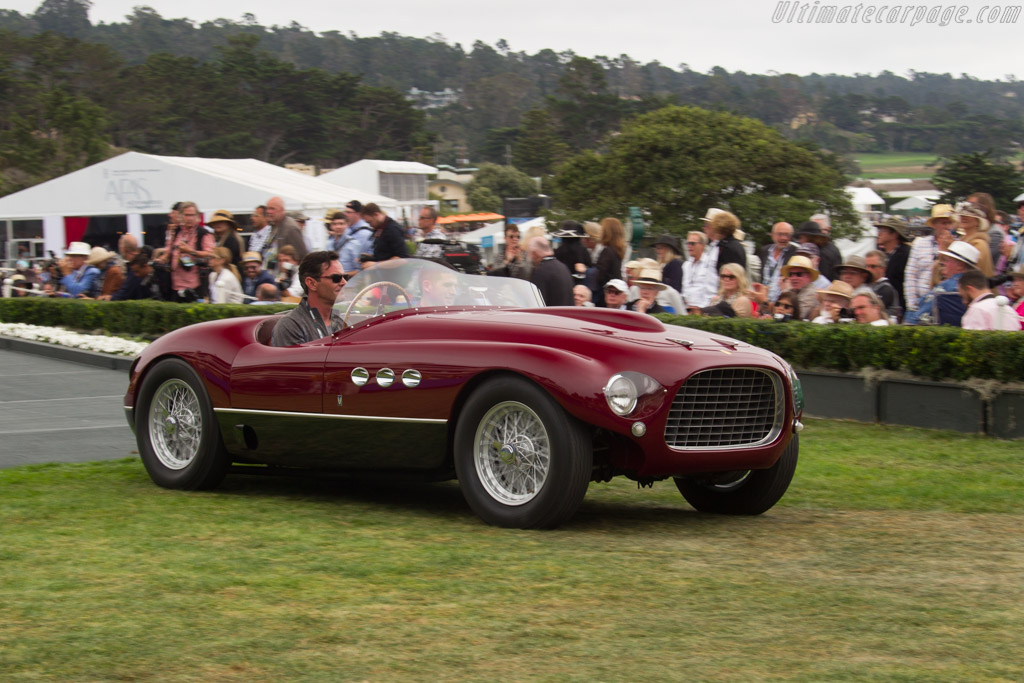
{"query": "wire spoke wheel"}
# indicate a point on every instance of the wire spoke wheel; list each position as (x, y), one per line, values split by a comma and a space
(175, 424)
(512, 453)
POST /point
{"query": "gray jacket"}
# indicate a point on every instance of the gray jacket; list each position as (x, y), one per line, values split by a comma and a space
(303, 324)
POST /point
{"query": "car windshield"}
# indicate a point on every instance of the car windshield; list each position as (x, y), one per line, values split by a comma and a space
(402, 284)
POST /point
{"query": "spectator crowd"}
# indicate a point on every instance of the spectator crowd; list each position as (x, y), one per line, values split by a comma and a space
(965, 268)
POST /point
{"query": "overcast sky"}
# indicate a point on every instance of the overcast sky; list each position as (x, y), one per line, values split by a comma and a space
(756, 36)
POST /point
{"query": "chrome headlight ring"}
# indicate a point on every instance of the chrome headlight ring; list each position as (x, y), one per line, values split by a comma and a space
(624, 391)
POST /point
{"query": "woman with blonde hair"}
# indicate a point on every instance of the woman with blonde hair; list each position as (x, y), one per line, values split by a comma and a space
(225, 282)
(732, 292)
(974, 224)
(670, 259)
(609, 261)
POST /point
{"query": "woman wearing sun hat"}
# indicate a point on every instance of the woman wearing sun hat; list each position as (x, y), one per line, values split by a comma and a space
(972, 221)
(670, 258)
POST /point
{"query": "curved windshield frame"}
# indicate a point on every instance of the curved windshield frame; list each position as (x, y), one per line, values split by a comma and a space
(425, 284)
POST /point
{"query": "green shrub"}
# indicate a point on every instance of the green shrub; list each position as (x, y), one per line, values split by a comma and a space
(122, 317)
(932, 352)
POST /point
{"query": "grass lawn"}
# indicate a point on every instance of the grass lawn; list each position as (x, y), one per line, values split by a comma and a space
(897, 555)
(896, 165)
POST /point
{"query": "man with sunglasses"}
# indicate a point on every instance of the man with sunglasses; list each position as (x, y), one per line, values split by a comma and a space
(800, 276)
(322, 279)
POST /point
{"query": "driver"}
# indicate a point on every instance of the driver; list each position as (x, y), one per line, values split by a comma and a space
(321, 276)
(438, 287)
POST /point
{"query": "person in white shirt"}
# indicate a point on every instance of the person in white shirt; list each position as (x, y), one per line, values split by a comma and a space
(700, 274)
(868, 309)
(985, 311)
(225, 282)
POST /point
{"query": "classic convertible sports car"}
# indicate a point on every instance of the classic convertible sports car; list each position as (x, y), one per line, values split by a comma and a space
(447, 375)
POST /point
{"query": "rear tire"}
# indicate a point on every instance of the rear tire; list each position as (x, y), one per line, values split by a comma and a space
(749, 492)
(178, 437)
(521, 460)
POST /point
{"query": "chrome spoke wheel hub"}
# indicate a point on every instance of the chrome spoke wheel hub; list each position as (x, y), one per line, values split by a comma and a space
(512, 453)
(175, 424)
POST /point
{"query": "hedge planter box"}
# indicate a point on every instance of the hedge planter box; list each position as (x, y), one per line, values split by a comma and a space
(964, 407)
(839, 395)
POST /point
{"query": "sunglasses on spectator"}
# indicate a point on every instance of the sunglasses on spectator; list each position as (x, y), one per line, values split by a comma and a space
(728, 277)
(692, 244)
(612, 290)
(335, 278)
(799, 273)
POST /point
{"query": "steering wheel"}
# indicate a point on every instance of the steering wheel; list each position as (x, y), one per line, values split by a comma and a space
(384, 285)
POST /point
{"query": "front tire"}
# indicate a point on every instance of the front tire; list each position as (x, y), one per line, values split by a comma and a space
(749, 492)
(178, 437)
(521, 460)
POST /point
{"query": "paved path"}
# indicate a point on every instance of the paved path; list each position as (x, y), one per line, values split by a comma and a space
(59, 411)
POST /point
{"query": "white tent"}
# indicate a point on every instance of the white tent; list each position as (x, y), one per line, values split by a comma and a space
(913, 204)
(134, 184)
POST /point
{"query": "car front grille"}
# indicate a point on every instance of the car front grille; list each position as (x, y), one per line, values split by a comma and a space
(726, 408)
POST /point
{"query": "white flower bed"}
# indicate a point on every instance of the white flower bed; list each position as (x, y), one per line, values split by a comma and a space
(87, 342)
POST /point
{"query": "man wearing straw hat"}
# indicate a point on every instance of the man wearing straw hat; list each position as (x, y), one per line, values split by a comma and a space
(650, 285)
(917, 278)
(943, 304)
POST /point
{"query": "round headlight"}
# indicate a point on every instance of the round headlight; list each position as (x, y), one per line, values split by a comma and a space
(621, 393)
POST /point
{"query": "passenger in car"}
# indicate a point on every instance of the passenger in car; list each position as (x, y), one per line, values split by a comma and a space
(322, 280)
(438, 287)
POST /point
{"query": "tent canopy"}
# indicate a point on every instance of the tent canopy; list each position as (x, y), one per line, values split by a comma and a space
(136, 183)
(912, 204)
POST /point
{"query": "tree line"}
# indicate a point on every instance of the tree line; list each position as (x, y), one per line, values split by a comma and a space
(513, 100)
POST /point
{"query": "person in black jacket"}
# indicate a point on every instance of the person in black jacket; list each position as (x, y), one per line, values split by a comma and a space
(670, 256)
(549, 274)
(723, 227)
(571, 251)
(893, 239)
(811, 231)
(388, 236)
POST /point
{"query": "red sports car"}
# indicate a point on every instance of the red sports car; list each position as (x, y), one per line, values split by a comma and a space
(524, 405)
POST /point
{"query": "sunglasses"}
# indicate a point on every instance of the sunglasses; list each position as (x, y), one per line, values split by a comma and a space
(692, 244)
(728, 277)
(799, 273)
(335, 278)
(612, 290)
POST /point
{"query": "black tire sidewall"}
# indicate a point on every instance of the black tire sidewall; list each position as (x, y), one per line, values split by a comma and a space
(756, 495)
(210, 465)
(570, 460)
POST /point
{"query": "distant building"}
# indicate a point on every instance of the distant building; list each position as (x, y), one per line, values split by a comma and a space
(425, 99)
(404, 181)
(450, 185)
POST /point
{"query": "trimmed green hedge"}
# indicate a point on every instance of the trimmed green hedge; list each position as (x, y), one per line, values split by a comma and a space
(122, 317)
(932, 352)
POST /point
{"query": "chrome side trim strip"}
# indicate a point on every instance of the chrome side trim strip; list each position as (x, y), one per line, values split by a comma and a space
(365, 418)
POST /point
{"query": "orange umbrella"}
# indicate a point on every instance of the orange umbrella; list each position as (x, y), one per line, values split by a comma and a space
(469, 218)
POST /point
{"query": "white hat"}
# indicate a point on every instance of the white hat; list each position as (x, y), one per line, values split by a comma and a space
(964, 252)
(617, 284)
(711, 214)
(77, 249)
(650, 277)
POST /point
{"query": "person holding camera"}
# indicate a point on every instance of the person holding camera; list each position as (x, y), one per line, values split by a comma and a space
(188, 246)
(287, 275)
(253, 275)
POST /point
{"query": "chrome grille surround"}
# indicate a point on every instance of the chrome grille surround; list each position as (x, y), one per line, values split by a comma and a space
(725, 408)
